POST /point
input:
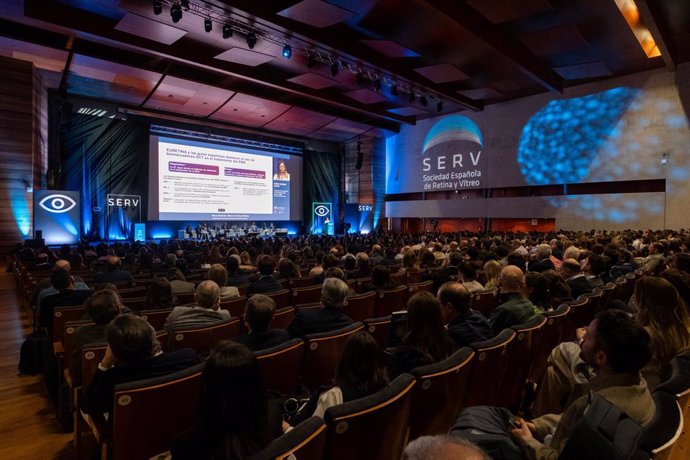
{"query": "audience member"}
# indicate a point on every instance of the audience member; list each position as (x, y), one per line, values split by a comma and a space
(537, 291)
(205, 312)
(327, 318)
(159, 295)
(465, 325)
(542, 259)
(67, 295)
(258, 314)
(443, 447)
(469, 278)
(266, 282)
(178, 282)
(133, 353)
(219, 275)
(113, 272)
(235, 277)
(571, 272)
(514, 308)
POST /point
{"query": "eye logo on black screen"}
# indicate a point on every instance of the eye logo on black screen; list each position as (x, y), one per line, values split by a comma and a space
(57, 203)
(321, 211)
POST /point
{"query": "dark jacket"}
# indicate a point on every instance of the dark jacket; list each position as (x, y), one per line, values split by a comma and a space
(469, 327)
(541, 266)
(515, 309)
(267, 283)
(94, 333)
(579, 285)
(98, 397)
(315, 321)
(66, 298)
(257, 341)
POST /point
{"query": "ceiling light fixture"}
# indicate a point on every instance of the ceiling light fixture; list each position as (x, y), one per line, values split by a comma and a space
(377, 85)
(176, 13)
(413, 96)
(208, 25)
(334, 68)
(287, 51)
(227, 31)
(360, 78)
(439, 106)
(311, 60)
(394, 91)
(423, 101)
(251, 39)
(157, 7)
(185, 4)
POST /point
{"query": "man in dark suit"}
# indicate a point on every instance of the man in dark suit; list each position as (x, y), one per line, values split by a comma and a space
(542, 260)
(465, 325)
(454, 263)
(363, 268)
(266, 282)
(571, 272)
(113, 272)
(258, 315)
(133, 353)
(327, 318)
(102, 307)
(515, 308)
(67, 295)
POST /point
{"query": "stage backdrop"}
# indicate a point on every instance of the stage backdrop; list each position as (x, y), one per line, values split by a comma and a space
(322, 184)
(102, 157)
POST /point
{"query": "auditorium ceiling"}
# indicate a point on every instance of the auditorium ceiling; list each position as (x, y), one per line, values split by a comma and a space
(355, 66)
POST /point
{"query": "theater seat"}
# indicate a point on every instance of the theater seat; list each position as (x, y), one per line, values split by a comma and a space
(361, 306)
(485, 301)
(235, 305)
(380, 329)
(305, 441)
(203, 339)
(438, 395)
(374, 427)
(147, 414)
(661, 435)
(488, 369)
(156, 318)
(390, 300)
(281, 365)
(302, 295)
(323, 354)
(550, 337)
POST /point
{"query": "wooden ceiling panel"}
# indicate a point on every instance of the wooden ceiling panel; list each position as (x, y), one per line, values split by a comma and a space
(552, 41)
(187, 97)
(42, 57)
(408, 111)
(147, 28)
(498, 11)
(245, 57)
(366, 96)
(481, 93)
(249, 110)
(313, 81)
(299, 121)
(316, 13)
(390, 48)
(442, 73)
(584, 71)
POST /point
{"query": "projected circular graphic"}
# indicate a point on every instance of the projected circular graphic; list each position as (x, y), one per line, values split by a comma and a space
(453, 128)
(321, 211)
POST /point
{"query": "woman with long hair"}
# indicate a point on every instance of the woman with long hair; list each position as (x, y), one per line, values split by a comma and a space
(159, 294)
(410, 263)
(380, 279)
(662, 312)
(537, 291)
(234, 420)
(492, 269)
(426, 339)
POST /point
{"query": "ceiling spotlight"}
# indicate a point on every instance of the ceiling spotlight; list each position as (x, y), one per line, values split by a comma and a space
(413, 96)
(335, 68)
(227, 31)
(176, 13)
(311, 60)
(185, 4)
(287, 51)
(251, 39)
(394, 90)
(157, 7)
(377, 85)
(439, 106)
(423, 101)
(208, 25)
(360, 78)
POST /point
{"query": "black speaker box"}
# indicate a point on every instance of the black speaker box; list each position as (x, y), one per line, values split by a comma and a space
(35, 243)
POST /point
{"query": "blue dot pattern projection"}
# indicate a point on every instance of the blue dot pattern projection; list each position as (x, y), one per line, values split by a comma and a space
(560, 142)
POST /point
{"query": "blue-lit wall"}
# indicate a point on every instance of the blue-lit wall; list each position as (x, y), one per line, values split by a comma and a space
(617, 130)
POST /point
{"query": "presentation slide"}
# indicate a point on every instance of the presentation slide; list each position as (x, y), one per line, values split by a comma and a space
(189, 179)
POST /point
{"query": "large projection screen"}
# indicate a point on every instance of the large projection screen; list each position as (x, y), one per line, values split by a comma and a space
(209, 180)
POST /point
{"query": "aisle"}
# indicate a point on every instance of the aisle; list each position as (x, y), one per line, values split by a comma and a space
(28, 428)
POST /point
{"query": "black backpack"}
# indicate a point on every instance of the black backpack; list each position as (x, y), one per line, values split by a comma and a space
(34, 354)
(604, 431)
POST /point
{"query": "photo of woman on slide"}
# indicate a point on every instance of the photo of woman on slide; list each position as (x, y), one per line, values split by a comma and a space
(282, 173)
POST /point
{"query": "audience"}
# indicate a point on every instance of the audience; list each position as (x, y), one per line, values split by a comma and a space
(113, 272)
(159, 295)
(571, 272)
(514, 308)
(465, 325)
(178, 282)
(266, 282)
(219, 275)
(443, 447)
(67, 294)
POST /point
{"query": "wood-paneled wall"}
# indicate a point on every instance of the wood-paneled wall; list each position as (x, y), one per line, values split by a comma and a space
(23, 148)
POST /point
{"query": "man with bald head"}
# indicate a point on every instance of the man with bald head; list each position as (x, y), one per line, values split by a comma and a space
(571, 272)
(465, 325)
(45, 288)
(113, 272)
(515, 308)
(205, 312)
(443, 447)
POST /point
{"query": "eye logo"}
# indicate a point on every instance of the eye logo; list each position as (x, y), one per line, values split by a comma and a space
(57, 203)
(321, 211)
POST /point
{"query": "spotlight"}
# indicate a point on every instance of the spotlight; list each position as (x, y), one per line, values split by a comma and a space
(287, 51)
(413, 96)
(227, 31)
(208, 25)
(176, 13)
(360, 78)
(377, 85)
(251, 39)
(157, 7)
(439, 106)
(423, 101)
(185, 4)
(311, 60)
(394, 90)
(334, 68)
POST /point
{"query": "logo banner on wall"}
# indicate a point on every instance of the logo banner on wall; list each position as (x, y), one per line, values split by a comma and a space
(123, 211)
(56, 214)
(322, 218)
(451, 157)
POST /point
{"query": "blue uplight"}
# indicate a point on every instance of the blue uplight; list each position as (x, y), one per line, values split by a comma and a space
(21, 211)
